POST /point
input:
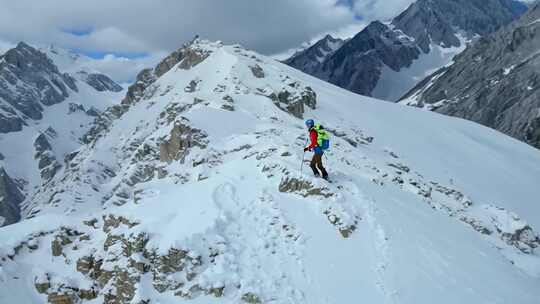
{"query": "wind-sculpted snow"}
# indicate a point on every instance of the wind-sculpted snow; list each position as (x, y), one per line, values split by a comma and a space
(194, 192)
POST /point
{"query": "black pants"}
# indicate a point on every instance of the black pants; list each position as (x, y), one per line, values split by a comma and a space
(316, 165)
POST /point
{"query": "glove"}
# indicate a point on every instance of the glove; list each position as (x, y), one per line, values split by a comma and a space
(306, 149)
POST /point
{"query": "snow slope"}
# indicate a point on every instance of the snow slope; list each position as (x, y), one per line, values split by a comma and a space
(192, 191)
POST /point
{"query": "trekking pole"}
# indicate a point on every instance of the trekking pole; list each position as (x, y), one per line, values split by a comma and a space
(303, 157)
(302, 165)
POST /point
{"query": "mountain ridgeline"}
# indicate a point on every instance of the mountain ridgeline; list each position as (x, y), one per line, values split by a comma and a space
(495, 82)
(385, 60)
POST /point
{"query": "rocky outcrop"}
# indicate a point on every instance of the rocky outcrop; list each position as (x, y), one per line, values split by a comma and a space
(495, 82)
(293, 98)
(116, 267)
(47, 163)
(28, 81)
(181, 139)
(187, 56)
(10, 199)
(135, 92)
(257, 71)
(9, 120)
(303, 187)
(99, 82)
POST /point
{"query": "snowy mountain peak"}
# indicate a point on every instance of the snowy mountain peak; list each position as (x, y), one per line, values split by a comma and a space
(316, 53)
(43, 114)
(439, 21)
(193, 189)
(79, 66)
(24, 57)
(493, 82)
(394, 57)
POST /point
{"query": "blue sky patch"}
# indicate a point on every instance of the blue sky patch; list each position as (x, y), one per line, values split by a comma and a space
(101, 54)
(78, 31)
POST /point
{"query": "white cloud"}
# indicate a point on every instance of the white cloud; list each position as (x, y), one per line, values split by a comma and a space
(380, 9)
(148, 26)
(5, 46)
(159, 27)
(121, 69)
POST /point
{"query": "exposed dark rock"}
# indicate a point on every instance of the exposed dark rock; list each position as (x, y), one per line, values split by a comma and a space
(62, 298)
(308, 60)
(357, 65)
(93, 112)
(251, 298)
(257, 71)
(28, 81)
(181, 139)
(48, 165)
(104, 121)
(99, 82)
(10, 199)
(56, 247)
(75, 107)
(302, 187)
(523, 239)
(187, 56)
(192, 86)
(292, 99)
(429, 21)
(9, 120)
(135, 91)
(42, 285)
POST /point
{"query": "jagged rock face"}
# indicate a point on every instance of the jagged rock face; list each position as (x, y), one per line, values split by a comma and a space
(182, 138)
(47, 163)
(29, 80)
(359, 63)
(496, 82)
(435, 21)
(186, 56)
(10, 198)
(356, 65)
(294, 100)
(99, 82)
(308, 60)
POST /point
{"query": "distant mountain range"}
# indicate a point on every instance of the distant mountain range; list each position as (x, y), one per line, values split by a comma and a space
(386, 59)
(495, 82)
(43, 114)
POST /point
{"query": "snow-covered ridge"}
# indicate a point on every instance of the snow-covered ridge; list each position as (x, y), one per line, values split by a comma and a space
(191, 190)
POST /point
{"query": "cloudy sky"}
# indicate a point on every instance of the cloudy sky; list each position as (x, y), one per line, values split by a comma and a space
(125, 35)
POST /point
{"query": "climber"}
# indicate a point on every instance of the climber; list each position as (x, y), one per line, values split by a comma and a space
(319, 142)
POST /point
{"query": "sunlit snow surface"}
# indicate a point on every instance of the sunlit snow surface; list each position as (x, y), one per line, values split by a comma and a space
(284, 247)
